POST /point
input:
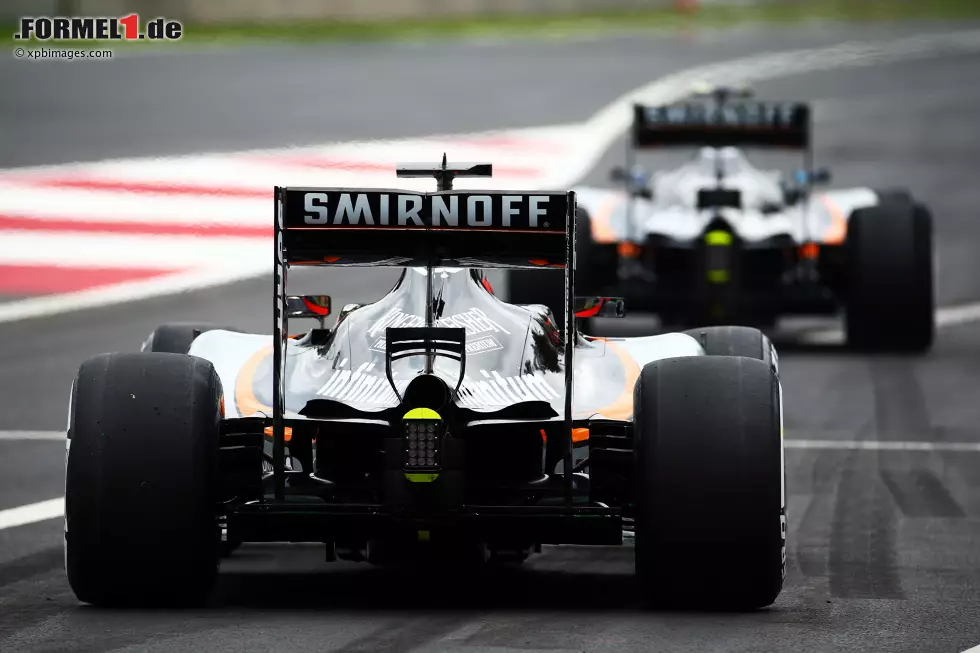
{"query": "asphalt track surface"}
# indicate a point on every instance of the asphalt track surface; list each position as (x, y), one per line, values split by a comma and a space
(884, 545)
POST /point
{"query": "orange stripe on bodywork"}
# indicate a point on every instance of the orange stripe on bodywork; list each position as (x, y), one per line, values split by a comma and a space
(578, 435)
(245, 400)
(622, 407)
(810, 251)
(289, 432)
(602, 231)
(837, 230)
(245, 396)
(626, 249)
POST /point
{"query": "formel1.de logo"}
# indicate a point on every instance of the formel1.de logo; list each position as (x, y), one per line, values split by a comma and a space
(91, 28)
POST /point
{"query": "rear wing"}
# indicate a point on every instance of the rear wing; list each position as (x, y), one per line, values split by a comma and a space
(741, 124)
(361, 226)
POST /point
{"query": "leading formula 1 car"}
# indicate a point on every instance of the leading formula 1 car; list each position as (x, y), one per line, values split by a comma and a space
(720, 240)
(438, 419)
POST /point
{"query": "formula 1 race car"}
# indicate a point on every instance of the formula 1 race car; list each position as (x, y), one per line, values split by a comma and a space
(720, 240)
(436, 420)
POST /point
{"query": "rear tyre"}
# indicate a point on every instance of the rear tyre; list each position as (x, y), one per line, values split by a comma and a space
(141, 479)
(547, 287)
(709, 498)
(177, 338)
(890, 304)
(736, 341)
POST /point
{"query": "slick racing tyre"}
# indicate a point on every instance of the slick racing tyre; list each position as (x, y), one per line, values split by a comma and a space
(736, 341)
(890, 304)
(177, 338)
(141, 480)
(709, 496)
(547, 287)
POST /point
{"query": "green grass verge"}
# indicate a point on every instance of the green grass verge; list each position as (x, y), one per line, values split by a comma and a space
(711, 16)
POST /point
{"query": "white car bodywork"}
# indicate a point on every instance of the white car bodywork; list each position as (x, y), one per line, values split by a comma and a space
(673, 211)
(599, 364)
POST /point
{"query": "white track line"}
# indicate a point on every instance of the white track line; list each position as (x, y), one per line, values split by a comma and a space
(957, 315)
(32, 435)
(882, 445)
(32, 513)
(121, 293)
(946, 316)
